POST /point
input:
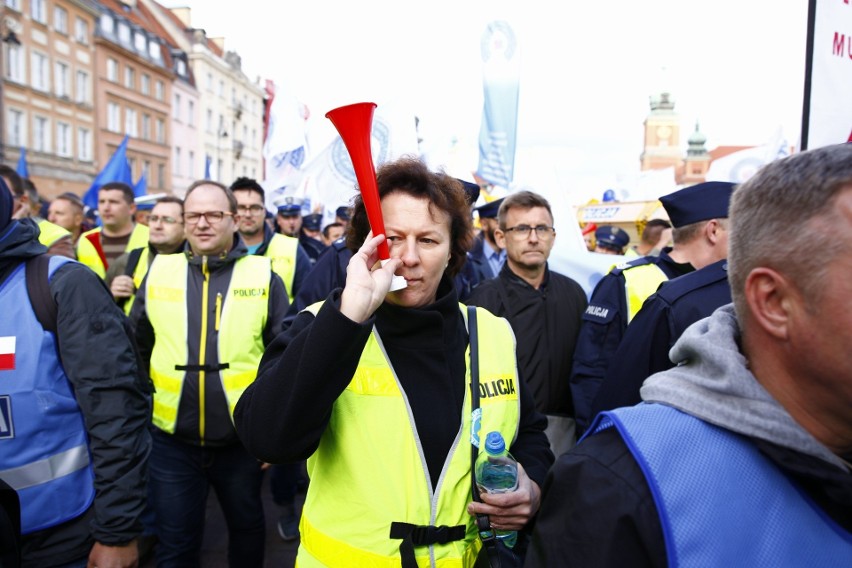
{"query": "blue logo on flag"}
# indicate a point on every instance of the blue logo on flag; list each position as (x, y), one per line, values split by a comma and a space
(7, 427)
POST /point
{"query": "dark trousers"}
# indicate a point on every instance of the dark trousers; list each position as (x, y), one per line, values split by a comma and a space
(286, 480)
(181, 476)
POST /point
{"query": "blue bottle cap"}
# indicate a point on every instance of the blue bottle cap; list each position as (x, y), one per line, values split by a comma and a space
(494, 443)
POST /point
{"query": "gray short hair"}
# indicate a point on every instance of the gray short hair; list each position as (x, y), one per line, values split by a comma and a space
(782, 217)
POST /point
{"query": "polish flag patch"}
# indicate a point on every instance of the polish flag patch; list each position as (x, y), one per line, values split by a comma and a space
(7, 353)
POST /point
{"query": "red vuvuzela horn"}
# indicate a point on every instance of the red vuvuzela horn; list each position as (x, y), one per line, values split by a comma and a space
(354, 123)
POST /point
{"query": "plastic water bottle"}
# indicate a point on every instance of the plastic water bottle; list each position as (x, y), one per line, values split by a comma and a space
(497, 472)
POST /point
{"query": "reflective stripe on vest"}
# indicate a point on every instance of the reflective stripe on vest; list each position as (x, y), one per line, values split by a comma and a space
(241, 319)
(44, 453)
(371, 442)
(639, 283)
(720, 501)
(138, 276)
(282, 252)
(88, 254)
(49, 233)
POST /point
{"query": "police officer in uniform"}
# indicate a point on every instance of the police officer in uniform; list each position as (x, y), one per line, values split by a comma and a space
(697, 213)
(610, 239)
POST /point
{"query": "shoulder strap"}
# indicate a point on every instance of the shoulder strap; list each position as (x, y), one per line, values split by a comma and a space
(38, 288)
(133, 261)
(474, 391)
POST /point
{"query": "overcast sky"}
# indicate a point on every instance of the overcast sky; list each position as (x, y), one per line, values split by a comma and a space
(587, 71)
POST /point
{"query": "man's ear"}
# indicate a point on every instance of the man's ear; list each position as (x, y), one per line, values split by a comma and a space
(500, 238)
(771, 299)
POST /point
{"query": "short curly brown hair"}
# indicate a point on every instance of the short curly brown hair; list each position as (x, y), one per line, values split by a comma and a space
(411, 176)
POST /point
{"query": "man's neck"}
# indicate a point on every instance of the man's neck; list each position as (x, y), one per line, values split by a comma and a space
(118, 232)
(533, 276)
(254, 239)
(167, 248)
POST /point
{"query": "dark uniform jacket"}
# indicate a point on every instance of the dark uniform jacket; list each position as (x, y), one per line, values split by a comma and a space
(546, 323)
(97, 353)
(303, 261)
(664, 316)
(312, 246)
(604, 324)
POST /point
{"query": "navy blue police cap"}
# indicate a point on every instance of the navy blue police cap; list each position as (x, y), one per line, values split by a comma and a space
(342, 212)
(490, 209)
(312, 222)
(471, 191)
(612, 237)
(708, 200)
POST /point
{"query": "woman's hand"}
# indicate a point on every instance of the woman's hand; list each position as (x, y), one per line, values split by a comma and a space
(510, 511)
(367, 281)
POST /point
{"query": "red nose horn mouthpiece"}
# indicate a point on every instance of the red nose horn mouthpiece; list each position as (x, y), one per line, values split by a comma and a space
(354, 123)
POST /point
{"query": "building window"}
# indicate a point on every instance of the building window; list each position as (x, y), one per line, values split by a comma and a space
(40, 73)
(14, 63)
(176, 108)
(107, 24)
(41, 134)
(190, 166)
(81, 89)
(221, 88)
(14, 4)
(181, 67)
(15, 128)
(81, 31)
(253, 141)
(130, 77)
(146, 127)
(190, 112)
(38, 11)
(63, 80)
(124, 33)
(161, 131)
(159, 91)
(210, 82)
(113, 117)
(155, 51)
(140, 42)
(176, 165)
(112, 70)
(146, 84)
(63, 139)
(209, 125)
(60, 19)
(84, 144)
(161, 175)
(130, 122)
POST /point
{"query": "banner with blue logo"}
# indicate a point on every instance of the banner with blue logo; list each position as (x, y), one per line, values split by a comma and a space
(501, 80)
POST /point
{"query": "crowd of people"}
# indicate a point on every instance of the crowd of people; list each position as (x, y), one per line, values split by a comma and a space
(695, 409)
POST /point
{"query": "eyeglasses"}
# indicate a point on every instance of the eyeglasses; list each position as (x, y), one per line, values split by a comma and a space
(523, 231)
(212, 217)
(163, 218)
(252, 209)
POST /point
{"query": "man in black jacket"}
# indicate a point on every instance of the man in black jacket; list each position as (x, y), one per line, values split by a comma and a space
(544, 308)
(78, 408)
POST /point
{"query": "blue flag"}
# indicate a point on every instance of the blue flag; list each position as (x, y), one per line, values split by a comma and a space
(500, 76)
(141, 187)
(117, 169)
(22, 168)
(208, 160)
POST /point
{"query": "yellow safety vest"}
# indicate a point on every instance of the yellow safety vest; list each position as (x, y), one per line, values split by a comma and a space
(138, 276)
(369, 470)
(240, 319)
(50, 233)
(282, 252)
(639, 283)
(88, 254)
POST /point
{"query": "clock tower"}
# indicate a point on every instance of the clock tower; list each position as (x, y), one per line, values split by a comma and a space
(662, 135)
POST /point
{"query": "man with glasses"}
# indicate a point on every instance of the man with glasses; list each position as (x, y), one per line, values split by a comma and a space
(203, 319)
(545, 309)
(165, 236)
(289, 259)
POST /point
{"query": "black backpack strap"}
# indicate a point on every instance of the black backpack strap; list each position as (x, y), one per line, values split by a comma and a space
(38, 288)
(133, 261)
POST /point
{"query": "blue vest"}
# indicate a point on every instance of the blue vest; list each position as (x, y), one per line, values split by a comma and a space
(44, 451)
(720, 501)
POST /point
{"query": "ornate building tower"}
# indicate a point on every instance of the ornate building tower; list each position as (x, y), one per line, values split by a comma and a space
(662, 135)
(697, 159)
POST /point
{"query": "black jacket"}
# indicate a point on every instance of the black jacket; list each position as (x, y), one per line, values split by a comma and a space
(546, 323)
(99, 358)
